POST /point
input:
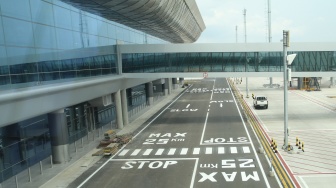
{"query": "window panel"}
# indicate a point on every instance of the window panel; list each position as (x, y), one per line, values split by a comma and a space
(3, 55)
(92, 25)
(111, 31)
(17, 32)
(45, 36)
(42, 12)
(62, 16)
(76, 21)
(16, 8)
(103, 41)
(102, 28)
(64, 39)
(20, 54)
(2, 39)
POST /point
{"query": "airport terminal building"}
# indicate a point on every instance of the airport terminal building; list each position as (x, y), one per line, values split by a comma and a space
(56, 85)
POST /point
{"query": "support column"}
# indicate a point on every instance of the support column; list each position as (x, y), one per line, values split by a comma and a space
(124, 106)
(168, 85)
(165, 87)
(175, 85)
(117, 101)
(300, 83)
(149, 93)
(181, 81)
(59, 135)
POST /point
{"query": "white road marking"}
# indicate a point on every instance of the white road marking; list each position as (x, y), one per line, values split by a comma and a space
(148, 151)
(188, 106)
(184, 151)
(123, 152)
(246, 149)
(254, 151)
(208, 150)
(196, 151)
(221, 150)
(171, 151)
(233, 149)
(205, 123)
(159, 151)
(135, 152)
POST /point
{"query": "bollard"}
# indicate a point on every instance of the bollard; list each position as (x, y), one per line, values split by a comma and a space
(16, 182)
(41, 170)
(297, 142)
(303, 146)
(51, 162)
(288, 147)
(75, 146)
(29, 175)
(82, 142)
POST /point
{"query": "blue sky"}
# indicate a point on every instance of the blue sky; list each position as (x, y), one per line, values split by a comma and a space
(307, 20)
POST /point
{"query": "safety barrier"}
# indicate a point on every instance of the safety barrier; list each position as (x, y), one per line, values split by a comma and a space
(275, 161)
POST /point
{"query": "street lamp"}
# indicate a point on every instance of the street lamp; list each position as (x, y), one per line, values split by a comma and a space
(287, 60)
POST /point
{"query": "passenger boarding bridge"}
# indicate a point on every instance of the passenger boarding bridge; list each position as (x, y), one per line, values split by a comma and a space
(70, 77)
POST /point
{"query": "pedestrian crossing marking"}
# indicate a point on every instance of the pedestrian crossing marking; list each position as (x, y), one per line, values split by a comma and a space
(148, 151)
(135, 152)
(208, 150)
(246, 149)
(123, 152)
(196, 151)
(185, 151)
(171, 151)
(159, 151)
(221, 150)
(233, 149)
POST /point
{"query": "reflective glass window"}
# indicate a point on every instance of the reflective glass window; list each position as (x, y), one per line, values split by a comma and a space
(62, 16)
(93, 40)
(24, 78)
(21, 54)
(16, 8)
(66, 65)
(79, 39)
(68, 74)
(4, 80)
(91, 25)
(48, 66)
(45, 36)
(42, 12)
(111, 31)
(2, 55)
(2, 39)
(4, 70)
(102, 28)
(76, 20)
(112, 41)
(64, 39)
(103, 41)
(23, 68)
(17, 32)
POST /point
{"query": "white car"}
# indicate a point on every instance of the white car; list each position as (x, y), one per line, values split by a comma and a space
(260, 101)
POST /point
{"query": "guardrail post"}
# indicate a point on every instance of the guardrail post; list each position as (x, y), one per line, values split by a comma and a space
(51, 162)
(16, 182)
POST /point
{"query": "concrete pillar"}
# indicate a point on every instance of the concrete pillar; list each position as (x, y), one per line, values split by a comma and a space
(124, 106)
(181, 80)
(175, 85)
(59, 135)
(167, 86)
(300, 83)
(149, 93)
(332, 83)
(119, 117)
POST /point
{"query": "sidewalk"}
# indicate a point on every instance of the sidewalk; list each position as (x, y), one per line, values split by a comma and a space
(311, 119)
(61, 175)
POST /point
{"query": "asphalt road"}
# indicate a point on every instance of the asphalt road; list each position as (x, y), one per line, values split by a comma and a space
(200, 140)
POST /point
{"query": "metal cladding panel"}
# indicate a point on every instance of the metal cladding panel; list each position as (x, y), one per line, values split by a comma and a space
(176, 21)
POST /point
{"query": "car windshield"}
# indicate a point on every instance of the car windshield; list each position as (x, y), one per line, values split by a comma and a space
(261, 98)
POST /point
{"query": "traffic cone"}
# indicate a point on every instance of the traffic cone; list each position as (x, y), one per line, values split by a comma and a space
(288, 148)
(275, 148)
(303, 146)
(297, 142)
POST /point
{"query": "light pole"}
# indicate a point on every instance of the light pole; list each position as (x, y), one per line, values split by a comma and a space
(247, 94)
(287, 60)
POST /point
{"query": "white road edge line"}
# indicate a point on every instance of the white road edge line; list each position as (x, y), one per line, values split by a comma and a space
(205, 123)
(255, 153)
(88, 178)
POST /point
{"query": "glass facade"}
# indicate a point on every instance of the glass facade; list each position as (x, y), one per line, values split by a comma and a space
(31, 33)
(33, 28)
(226, 62)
